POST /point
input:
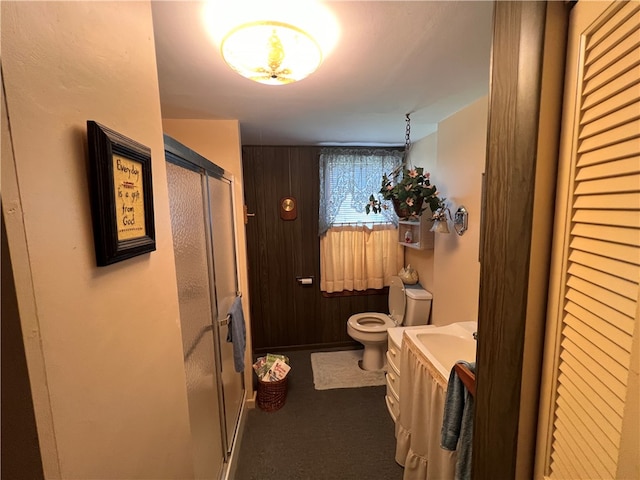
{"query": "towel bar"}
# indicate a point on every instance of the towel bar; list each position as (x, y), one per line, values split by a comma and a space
(225, 320)
(467, 377)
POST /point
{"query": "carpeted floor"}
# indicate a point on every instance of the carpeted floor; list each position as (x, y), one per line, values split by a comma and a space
(339, 434)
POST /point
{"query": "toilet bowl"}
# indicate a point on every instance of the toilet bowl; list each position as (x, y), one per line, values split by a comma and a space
(370, 329)
(408, 305)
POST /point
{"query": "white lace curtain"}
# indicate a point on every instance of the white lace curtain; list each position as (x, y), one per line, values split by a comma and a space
(357, 256)
(352, 175)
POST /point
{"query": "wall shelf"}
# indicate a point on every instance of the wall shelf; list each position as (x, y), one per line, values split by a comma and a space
(415, 234)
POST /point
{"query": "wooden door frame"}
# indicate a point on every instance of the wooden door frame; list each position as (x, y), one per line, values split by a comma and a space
(527, 76)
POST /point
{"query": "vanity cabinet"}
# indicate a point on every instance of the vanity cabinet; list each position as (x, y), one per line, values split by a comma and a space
(415, 234)
(392, 397)
(394, 352)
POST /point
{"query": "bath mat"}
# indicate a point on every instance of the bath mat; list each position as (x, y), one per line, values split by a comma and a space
(341, 370)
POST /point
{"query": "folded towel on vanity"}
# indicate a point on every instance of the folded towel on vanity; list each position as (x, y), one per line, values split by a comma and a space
(237, 333)
(457, 422)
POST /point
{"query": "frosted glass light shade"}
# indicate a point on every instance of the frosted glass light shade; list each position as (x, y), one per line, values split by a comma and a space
(440, 226)
(275, 42)
(273, 53)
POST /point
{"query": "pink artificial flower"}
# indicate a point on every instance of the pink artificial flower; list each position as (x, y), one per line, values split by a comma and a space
(409, 202)
(427, 175)
(413, 173)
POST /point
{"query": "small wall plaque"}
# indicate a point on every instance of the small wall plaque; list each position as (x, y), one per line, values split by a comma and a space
(288, 208)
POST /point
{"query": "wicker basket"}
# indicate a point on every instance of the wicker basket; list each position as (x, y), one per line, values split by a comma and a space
(271, 395)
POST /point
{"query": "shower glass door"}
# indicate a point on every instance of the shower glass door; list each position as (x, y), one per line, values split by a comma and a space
(226, 290)
(202, 220)
(189, 227)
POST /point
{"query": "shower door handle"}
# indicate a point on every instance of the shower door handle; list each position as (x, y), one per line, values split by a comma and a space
(224, 321)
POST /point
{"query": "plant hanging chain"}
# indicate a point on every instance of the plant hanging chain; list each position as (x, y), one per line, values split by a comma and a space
(412, 193)
(407, 137)
(407, 147)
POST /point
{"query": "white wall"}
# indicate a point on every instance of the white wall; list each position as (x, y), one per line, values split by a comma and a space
(452, 269)
(424, 153)
(103, 344)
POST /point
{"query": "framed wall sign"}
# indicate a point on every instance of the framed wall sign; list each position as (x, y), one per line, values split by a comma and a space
(121, 195)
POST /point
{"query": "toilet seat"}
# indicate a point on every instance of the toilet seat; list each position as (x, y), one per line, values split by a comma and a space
(371, 322)
(374, 322)
(371, 328)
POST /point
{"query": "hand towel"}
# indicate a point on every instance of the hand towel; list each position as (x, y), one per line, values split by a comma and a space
(237, 333)
(457, 423)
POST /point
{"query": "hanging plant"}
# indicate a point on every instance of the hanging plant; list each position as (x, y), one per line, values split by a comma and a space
(410, 193)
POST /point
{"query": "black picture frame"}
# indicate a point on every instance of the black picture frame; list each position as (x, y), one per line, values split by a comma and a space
(121, 192)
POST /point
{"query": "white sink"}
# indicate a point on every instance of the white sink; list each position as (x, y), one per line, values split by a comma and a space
(444, 346)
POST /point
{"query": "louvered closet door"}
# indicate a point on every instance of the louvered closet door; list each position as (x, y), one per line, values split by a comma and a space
(597, 310)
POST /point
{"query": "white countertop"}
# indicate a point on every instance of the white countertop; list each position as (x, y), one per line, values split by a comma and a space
(449, 343)
(395, 333)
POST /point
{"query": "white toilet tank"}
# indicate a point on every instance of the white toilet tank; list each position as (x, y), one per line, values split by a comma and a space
(418, 306)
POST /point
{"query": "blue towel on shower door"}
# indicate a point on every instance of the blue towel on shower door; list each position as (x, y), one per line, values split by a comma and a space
(237, 333)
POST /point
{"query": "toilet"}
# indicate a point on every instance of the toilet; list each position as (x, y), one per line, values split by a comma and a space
(409, 305)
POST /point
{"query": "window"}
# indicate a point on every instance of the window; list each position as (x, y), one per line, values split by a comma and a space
(357, 251)
(348, 176)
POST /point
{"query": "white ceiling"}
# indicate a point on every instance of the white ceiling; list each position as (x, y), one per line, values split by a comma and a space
(425, 58)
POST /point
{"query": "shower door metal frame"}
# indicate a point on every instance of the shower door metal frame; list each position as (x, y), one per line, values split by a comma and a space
(184, 157)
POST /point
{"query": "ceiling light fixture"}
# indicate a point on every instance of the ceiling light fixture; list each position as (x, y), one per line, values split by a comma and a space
(272, 42)
(269, 52)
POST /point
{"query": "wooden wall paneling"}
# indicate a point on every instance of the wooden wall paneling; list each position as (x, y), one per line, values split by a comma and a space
(331, 316)
(251, 165)
(258, 167)
(284, 314)
(281, 238)
(272, 247)
(282, 242)
(334, 317)
(277, 273)
(304, 171)
(271, 274)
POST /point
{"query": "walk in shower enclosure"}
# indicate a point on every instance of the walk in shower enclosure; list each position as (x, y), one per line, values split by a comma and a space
(201, 204)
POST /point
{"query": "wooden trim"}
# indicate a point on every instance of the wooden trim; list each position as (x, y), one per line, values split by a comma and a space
(353, 293)
(513, 264)
(352, 345)
(467, 376)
